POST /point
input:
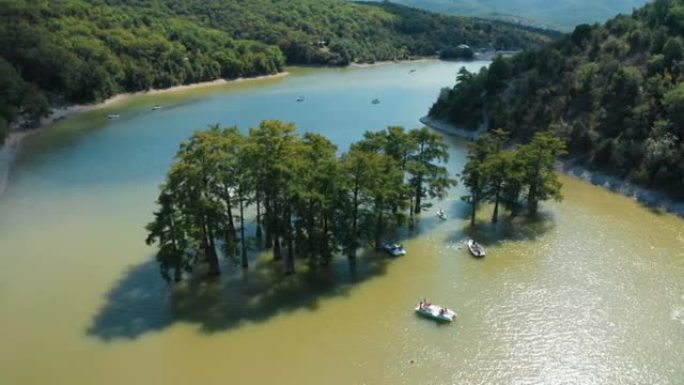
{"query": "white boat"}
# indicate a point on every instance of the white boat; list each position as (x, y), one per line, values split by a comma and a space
(441, 214)
(435, 312)
(113, 116)
(156, 107)
(394, 249)
(300, 99)
(475, 248)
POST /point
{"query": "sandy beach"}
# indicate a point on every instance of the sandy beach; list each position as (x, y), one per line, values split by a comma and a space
(12, 146)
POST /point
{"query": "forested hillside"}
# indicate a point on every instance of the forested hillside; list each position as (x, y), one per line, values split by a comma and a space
(87, 50)
(614, 93)
(563, 15)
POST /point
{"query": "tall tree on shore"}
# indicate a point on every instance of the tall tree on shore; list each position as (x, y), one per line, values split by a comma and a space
(167, 231)
(317, 196)
(197, 169)
(539, 158)
(474, 175)
(234, 185)
(277, 150)
(387, 187)
(384, 180)
(356, 177)
(428, 178)
(497, 168)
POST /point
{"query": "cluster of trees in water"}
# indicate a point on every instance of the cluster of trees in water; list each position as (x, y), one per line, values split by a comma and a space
(614, 93)
(307, 202)
(304, 199)
(510, 176)
(77, 51)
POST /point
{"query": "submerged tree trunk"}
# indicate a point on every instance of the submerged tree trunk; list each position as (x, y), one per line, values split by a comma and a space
(310, 235)
(243, 246)
(211, 252)
(258, 216)
(269, 219)
(353, 244)
(532, 201)
(419, 194)
(495, 215)
(277, 256)
(379, 227)
(473, 209)
(231, 242)
(289, 258)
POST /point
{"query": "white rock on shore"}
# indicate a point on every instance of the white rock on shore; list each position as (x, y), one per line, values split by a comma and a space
(449, 128)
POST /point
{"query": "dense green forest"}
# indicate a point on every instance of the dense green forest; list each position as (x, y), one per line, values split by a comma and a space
(75, 51)
(307, 202)
(614, 93)
(562, 15)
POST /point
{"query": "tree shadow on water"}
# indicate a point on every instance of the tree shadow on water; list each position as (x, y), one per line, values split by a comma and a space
(141, 302)
(520, 228)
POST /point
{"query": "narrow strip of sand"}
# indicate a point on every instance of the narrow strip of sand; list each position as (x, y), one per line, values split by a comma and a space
(12, 146)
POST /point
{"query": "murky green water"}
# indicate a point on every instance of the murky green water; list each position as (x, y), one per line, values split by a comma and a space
(591, 294)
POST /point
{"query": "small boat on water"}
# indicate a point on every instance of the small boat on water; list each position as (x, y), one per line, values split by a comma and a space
(435, 312)
(412, 71)
(300, 99)
(376, 101)
(475, 248)
(441, 215)
(113, 116)
(156, 107)
(394, 249)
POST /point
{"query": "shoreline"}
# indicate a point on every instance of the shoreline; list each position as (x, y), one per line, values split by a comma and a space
(12, 146)
(651, 198)
(80, 108)
(448, 128)
(388, 62)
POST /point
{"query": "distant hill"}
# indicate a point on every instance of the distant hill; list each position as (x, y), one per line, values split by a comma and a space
(614, 93)
(560, 14)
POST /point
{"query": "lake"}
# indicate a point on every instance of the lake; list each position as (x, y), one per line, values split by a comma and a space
(591, 293)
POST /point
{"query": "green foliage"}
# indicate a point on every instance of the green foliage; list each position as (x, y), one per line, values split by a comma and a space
(311, 202)
(538, 159)
(613, 93)
(500, 175)
(464, 103)
(87, 50)
(673, 101)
